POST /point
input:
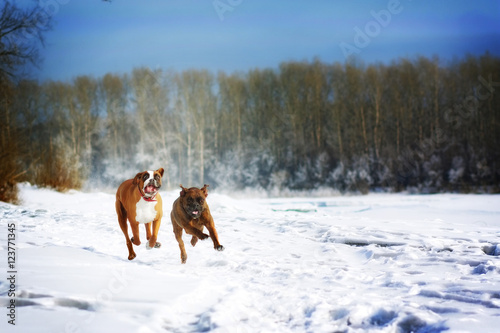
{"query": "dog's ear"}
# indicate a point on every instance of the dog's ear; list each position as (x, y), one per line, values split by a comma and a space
(161, 171)
(137, 178)
(184, 191)
(204, 190)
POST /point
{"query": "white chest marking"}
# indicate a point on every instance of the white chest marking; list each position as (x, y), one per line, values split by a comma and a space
(145, 211)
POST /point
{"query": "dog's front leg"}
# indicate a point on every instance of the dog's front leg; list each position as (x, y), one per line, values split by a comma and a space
(147, 226)
(215, 237)
(134, 225)
(152, 240)
(195, 232)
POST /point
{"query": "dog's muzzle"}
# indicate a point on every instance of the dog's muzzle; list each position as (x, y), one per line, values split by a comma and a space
(151, 188)
(195, 211)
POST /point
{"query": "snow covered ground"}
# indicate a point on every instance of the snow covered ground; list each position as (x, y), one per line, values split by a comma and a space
(375, 263)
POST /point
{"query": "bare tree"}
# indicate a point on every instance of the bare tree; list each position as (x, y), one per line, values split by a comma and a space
(85, 118)
(113, 96)
(21, 34)
(195, 103)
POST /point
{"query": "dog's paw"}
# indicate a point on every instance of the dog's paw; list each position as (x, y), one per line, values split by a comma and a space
(131, 256)
(156, 246)
(220, 248)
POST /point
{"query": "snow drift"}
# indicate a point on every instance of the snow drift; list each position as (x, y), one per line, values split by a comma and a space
(375, 263)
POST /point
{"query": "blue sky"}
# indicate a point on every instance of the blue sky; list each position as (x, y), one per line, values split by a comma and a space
(93, 37)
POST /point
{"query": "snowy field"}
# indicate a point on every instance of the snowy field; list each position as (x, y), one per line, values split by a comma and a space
(375, 263)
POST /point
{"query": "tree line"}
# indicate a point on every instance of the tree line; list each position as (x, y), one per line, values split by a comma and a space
(21, 34)
(414, 124)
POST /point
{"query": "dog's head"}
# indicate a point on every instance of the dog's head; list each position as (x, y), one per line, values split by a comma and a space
(149, 182)
(193, 200)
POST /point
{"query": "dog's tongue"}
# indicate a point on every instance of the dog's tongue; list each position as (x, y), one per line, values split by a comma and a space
(149, 189)
(195, 212)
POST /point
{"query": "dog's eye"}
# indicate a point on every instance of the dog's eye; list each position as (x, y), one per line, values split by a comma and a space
(145, 177)
(200, 201)
(157, 178)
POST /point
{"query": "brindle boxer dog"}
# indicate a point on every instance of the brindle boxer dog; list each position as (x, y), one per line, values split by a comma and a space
(138, 201)
(190, 212)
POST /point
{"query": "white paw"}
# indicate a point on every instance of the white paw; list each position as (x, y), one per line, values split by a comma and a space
(157, 246)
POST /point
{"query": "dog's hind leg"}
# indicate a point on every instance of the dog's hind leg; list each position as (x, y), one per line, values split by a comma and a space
(178, 237)
(195, 239)
(122, 220)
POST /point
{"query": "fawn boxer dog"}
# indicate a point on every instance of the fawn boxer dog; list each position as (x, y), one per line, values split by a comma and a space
(190, 212)
(138, 201)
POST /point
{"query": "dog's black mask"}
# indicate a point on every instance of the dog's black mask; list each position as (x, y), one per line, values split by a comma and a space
(193, 200)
